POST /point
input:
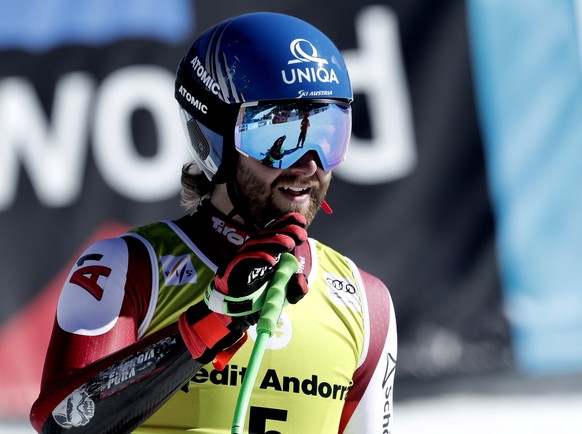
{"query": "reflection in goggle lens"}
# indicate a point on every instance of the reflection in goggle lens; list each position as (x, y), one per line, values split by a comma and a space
(279, 134)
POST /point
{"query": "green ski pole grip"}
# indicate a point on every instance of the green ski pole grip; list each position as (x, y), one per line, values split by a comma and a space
(276, 294)
(266, 325)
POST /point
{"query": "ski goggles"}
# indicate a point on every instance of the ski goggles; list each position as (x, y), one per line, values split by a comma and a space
(280, 133)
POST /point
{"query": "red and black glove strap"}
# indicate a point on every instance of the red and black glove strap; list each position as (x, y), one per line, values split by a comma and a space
(208, 334)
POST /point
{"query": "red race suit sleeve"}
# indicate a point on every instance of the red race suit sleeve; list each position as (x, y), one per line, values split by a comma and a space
(103, 302)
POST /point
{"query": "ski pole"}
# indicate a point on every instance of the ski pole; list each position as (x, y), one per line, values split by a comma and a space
(265, 327)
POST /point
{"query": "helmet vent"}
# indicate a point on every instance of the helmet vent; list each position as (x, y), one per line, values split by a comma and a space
(198, 140)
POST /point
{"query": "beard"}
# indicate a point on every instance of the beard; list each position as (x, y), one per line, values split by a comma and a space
(259, 197)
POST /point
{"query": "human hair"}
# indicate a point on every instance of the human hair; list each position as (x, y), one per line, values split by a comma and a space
(195, 186)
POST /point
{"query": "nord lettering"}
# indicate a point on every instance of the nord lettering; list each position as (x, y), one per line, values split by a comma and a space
(376, 70)
(53, 150)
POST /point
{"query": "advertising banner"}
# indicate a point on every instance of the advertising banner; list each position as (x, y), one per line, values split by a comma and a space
(432, 197)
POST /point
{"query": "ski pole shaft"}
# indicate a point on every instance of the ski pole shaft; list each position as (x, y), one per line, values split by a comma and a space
(265, 327)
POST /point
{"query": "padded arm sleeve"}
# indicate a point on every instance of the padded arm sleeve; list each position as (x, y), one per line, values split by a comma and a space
(117, 393)
(97, 376)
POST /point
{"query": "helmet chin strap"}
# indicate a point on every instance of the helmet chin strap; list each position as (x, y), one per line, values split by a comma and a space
(227, 174)
(239, 206)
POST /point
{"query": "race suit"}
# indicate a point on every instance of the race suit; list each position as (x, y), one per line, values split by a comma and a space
(328, 368)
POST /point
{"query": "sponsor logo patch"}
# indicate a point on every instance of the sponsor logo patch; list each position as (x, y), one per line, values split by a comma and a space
(178, 270)
(204, 76)
(281, 336)
(230, 233)
(342, 291)
(74, 411)
(308, 67)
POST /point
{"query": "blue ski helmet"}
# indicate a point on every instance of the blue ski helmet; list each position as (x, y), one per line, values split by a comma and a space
(256, 57)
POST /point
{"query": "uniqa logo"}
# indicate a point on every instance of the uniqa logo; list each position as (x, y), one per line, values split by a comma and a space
(302, 56)
(304, 51)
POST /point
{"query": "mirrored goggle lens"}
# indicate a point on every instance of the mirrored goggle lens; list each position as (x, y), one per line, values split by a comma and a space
(280, 134)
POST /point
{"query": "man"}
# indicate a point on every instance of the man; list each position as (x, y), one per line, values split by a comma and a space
(303, 133)
(133, 306)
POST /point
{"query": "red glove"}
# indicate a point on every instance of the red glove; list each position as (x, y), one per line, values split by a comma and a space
(236, 294)
(240, 287)
(212, 336)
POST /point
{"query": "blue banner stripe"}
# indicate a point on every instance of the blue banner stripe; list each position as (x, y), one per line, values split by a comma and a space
(529, 81)
(39, 25)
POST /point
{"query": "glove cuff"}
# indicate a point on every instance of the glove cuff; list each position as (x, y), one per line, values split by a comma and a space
(235, 306)
(204, 333)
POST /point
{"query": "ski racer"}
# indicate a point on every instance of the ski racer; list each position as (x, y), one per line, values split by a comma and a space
(151, 326)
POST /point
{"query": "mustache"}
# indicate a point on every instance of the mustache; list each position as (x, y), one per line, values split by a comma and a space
(313, 181)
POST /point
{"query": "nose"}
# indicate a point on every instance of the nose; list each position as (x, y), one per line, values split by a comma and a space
(307, 165)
